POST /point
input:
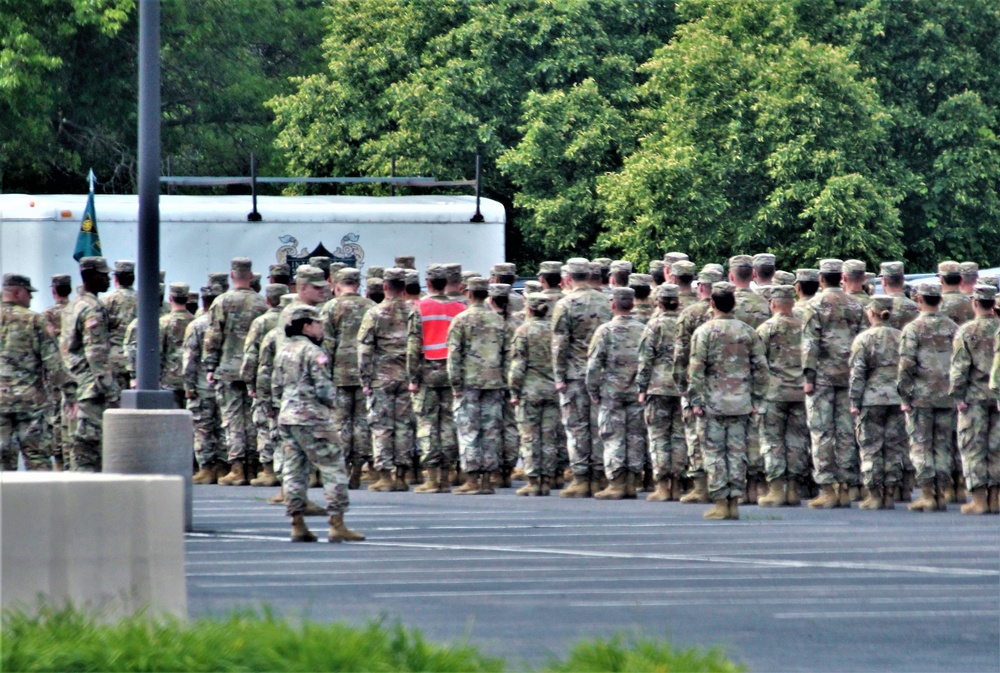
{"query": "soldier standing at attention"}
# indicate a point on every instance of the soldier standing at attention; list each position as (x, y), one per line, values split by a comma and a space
(172, 328)
(228, 326)
(209, 440)
(970, 277)
(682, 274)
(373, 284)
(978, 415)
(302, 382)
(85, 354)
(763, 274)
(642, 285)
(506, 274)
(382, 341)
(341, 318)
(784, 434)
(499, 301)
(875, 404)
(550, 275)
(62, 288)
(855, 279)
(120, 305)
(924, 362)
(279, 274)
(954, 303)
(28, 357)
(265, 371)
(477, 367)
(727, 382)
(574, 321)
(660, 397)
(455, 289)
(533, 394)
(806, 288)
(904, 310)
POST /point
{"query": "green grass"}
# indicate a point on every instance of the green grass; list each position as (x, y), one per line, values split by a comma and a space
(68, 640)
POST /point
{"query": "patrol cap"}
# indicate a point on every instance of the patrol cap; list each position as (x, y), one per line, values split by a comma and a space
(275, 291)
(891, 268)
(303, 312)
(98, 264)
(412, 277)
(715, 267)
(595, 268)
(640, 280)
(221, 279)
(985, 293)
(709, 276)
(375, 272)
(349, 275)
(466, 275)
(179, 291)
(723, 287)
(831, 266)
(667, 290)
(504, 269)
(621, 266)
(499, 290)
(740, 260)
(656, 265)
(436, 272)
(672, 257)
(124, 266)
(192, 297)
(537, 300)
(784, 278)
(550, 267)
(62, 280)
(255, 278)
(683, 267)
(763, 259)
(454, 270)
(944, 268)
(929, 290)
(210, 291)
(782, 292)
(17, 280)
(477, 284)
(532, 286)
(604, 262)
(854, 266)
(577, 265)
(806, 275)
(241, 264)
(334, 268)
(989, 280)
(620, 293)
(881, 303)
(287, 299)
(969, 268)
(394, 273)
(405, 262)
(321, 262)
(310, 275)
(279, 270)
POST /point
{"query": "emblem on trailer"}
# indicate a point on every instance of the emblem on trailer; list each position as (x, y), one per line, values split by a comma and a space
(349, 252)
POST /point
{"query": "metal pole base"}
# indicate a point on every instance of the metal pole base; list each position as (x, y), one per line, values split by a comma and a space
(148, 399)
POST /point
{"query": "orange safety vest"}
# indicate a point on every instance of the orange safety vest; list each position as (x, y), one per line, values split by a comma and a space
(436, 317)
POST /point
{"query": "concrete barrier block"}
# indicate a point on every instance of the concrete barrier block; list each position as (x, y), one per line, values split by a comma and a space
(109, 544)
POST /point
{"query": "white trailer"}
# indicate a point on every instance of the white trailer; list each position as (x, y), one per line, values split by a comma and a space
(200, 234)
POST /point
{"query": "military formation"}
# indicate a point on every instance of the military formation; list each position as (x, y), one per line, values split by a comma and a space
(723, 386)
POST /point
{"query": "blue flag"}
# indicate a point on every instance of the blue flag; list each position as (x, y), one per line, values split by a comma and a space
(88, 241)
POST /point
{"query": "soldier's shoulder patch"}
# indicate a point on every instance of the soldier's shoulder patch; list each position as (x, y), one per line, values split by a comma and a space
(323, 359)
(92, 323)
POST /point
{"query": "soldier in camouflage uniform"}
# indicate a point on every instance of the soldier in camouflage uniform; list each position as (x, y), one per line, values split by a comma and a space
(209, 440)
(455, 289)
(855, 279)
(954, 303)
(477, 365)
(682, 274)
(763, 274)
(229, 323)
(28, 357)
(924, 361)
(121, 307)
(575, 319)
(506, 274)
(875, 404)
(642, 285)
(499, 302)
(248, 372)
(62, 288)
(784, 278)
(832, 321)
(978, 414)
(279, 274)
(341, 318)
(784, 434)
(550, 275)
(373, 284)
(533, 394)
(807, 289)
(904, 310)
(172, 328)
(269, 346)
(727, 381)
(302, 382)
(382, 342)
(85, 354)
(660, 397)
(970, 277)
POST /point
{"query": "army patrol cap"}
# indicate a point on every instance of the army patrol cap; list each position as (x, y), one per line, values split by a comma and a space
(621, 266)
(619, 293)
(255, 278)
(762, 259)
(944, 268)
(531, 286)
(436, 272)
(499, 290)
(550, 267)
(179, 291)
(831, 266)
(667, 291)
(210, 291)
(740, 260)
(412, 277)
(709, 276)
(718, 268)
(98, 264)
(891, 268)
(989, 280)
(595, 268)
(192, 297)
(477, 284)
(881, 303)
(577, 265)
(310, 275)
(275, 291)
(683, 267)
(985, 293)
(466, 275)
(640, 280)
(287, 299)
(928, 290)
(806, 275)
(17, 280)
(124, 266)
(405, 262)
(375, 272)
(784, 278)
(279, 270)
(62, 280)
(349, 275)
(504, 269)
(537, 300)
(855, 266)
(241, 264)
(220, 278)
(454, 270)
(394, 273)
(672, 257)
(782, 292)
(321, 262)
(604, 262)
(334, 268)
(656, 265)
(723, 287)
(304, 312)
(969, 268)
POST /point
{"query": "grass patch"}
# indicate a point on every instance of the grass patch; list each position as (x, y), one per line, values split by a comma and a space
(68, 640)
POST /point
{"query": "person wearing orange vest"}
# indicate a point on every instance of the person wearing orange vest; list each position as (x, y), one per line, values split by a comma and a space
(426, 366)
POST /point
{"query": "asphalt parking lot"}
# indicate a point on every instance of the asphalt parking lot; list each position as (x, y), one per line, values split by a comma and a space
(779, 590)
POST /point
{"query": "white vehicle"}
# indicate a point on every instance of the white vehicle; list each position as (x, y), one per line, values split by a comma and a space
(200, 234)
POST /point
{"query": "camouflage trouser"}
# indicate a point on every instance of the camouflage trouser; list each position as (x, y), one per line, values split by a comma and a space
(479, 423)
(538, 423)
(350, 418)
(237, 419)
(306, 447)
(390, 418)
(54, 418)
(694, 430)
(434, 409)
(831, 428)
(85, 442)
(979, 444)
(511, 440)
(882, 442)
(209, 447)
(623, 433)
(931, 433)
(665, 429)
(724, 449)
(27, 432)
(579, 418)
(265, 436)
(784, 437)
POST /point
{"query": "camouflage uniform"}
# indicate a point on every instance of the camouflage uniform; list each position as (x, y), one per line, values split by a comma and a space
(130, 345)
(28, 356)
(477, 362)
(259, 328)
(904, 310)
(121, 306)
(957, 306)
(727, 378)
(269, 405)
(58, 419)
(510, 440)
(172, 329)
(209, 441)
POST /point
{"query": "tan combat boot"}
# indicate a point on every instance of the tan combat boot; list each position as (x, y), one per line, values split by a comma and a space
(615, 489)
(580, 488)
(532, 488)
(400, 483)
(354, 481)
(278, 499)
(486, 483)
(775, 494)
(545, 487)
(471, 485)
(699, 491)
(205, 475)
(518, 474)
(733, 513)
(662, 491)
(339, 532)
(457, 478)
(300, 532)
(235, 476)
(844, 496)
(433, 483)
(993, 499)
(506, 481)
(925, 503)
(907, 485)
(792, 497)
(719, 511)
(874, 499)
(266, 476)
(385, 482)
(961, 495)
(221, 470)
(557, 481)
(601, 478)
(314, 481)
(855, 494)
(827, 498)
(942, 485)
(979, 503)
(631, 489)
(889, 497)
